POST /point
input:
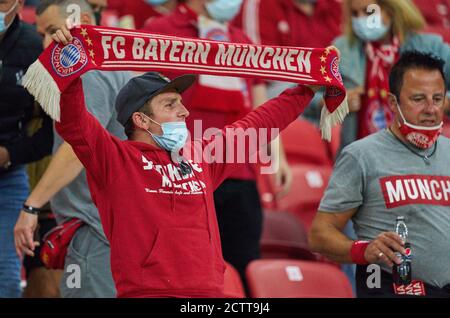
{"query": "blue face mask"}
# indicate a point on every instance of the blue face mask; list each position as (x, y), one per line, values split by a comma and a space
(3, 26)
(366, 31)
(223, 10)
(156, 2)
(175, 134)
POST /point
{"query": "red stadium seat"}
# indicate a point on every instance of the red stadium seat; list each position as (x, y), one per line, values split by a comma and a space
(436, 12)
(284, 237)
(233, 287)
(308, 185)
(266, 189)
(280, 250)
(303, 143)
(283, 226)
(296, 279)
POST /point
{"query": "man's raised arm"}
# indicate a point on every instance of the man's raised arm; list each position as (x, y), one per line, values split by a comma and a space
(263, 123)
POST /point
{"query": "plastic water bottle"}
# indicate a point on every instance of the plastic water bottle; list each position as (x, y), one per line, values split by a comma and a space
(401, 274)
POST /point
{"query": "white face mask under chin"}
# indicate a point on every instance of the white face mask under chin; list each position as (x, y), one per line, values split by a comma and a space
(416, 126)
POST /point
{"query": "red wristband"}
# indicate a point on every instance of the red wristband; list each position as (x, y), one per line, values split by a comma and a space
(357, 252)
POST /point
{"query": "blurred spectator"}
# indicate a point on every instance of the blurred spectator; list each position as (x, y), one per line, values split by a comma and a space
(437, 15)
(219, 101)
(97, 7)
(133, 14)
(20, 46)
(304, 23)
(371, 44)
(64, 181)
(41, 282)
(307, 23)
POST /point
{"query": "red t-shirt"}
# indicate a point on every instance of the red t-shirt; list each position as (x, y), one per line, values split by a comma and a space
(212, 106)
(138, 9)
(281, 22)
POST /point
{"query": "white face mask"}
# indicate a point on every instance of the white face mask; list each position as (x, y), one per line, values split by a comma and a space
(3, 26)
(174, 137)
(366, 32)
(223, 10)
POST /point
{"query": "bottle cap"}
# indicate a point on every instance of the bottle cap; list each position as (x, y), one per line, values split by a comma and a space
(400, 218)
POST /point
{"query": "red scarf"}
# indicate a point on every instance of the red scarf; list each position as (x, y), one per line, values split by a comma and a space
(234, 91)
(110, 49)
(375, 113)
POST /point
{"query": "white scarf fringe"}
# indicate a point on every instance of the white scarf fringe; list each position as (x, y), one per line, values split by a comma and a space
(41, 85)
(328, 120)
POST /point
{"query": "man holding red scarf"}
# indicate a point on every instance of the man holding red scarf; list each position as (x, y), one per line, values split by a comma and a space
(157, 210)
(218, 101)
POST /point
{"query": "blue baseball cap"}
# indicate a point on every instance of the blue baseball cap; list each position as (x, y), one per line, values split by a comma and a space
(141, 89)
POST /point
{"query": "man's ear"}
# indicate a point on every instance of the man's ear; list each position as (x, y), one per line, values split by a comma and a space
(140, 121)
(86, 18)
(392, 101)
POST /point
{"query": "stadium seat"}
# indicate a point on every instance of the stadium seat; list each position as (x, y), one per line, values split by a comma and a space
(233, 287)
(308, 185)
(284, 237)
(266, 191)
(303, 143)
(283, 226)
(435, 13)
(296, 279)
(280, 250)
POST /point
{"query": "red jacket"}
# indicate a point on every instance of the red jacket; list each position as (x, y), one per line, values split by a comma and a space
(280, 22)
(138, 9)
(162, 228)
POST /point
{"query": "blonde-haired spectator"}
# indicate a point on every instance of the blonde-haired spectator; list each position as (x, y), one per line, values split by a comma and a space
(376, 34)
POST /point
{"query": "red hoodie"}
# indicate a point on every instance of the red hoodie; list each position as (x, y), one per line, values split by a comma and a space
(162, 227)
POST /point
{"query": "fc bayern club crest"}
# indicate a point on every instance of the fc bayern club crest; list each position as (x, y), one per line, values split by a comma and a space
(418, 138)
(69, 59)
(335, 69)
